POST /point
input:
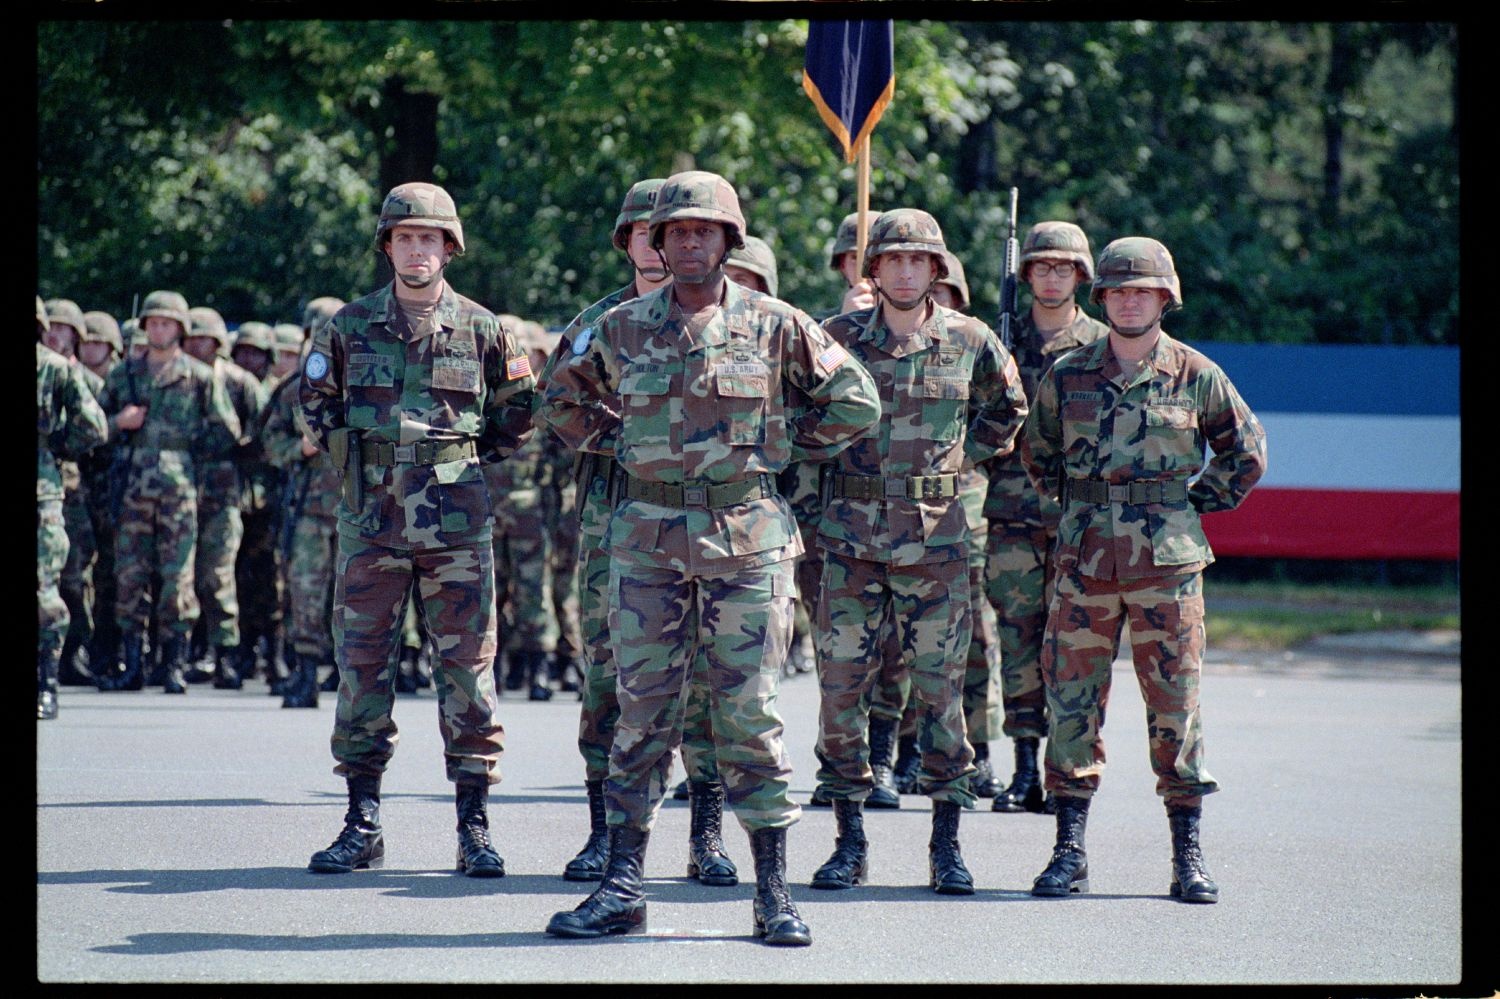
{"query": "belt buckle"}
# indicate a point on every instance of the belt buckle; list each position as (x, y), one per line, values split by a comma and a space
(694, 496)
(1119, 493)
(404, 453)
(932, 487)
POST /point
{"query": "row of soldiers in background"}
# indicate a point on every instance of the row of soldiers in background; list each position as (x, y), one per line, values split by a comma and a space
(207, 511)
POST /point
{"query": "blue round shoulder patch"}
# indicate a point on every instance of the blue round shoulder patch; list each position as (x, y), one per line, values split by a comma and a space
(317, 365)
(582, 343)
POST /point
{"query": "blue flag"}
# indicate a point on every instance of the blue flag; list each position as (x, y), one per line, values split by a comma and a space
(850, 74)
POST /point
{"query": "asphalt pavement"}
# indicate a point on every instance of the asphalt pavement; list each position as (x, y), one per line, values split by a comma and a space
(173, 834)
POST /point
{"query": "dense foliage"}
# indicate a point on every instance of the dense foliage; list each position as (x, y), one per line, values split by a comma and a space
(1305, 175)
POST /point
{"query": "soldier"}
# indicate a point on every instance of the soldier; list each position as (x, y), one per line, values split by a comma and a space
(288, 339)
(1117, 435)
(136, 344)
(69, 423)
(101, 350)
(688, 388)
(895, 538)
(859, 292)
(220, 507)
(102, 347)
(307, 540)
(254, 348)
(409, 389)
(560, 520)
(170, 414)
(1055, 262)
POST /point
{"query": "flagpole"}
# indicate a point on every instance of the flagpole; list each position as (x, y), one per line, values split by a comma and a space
(862, 150)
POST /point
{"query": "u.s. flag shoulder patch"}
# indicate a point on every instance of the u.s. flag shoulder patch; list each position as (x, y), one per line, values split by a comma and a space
(832, 358)
(517, 367)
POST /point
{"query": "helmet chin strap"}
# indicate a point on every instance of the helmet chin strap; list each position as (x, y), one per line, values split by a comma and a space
(1054, 303)
(1133, 332)
(708, 275)
(900, 306)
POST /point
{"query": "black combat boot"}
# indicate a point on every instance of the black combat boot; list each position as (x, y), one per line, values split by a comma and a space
(131, 677)
(301, 688)
(566, 672)
(535, 662)
(476, 857)
(984, 783)
(281, 670)
(226, 676)
(515, 671)
(406, 670)
(1190, 879)
(1025, 791)
(908, 765)
(945, 863)
(361, 844)
(69, 671)
(170, 668)
(46, 684)
(199, 661)
(682, 792)
(330, 684)
(618, 905)
(591, 860)
(849, 865)
(882, 739)
(1068, 872)
(707, 860)
(777, 921)
(104, 656)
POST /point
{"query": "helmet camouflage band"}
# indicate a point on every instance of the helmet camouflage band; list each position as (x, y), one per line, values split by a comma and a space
(169, 304)
(318, 312)
(100, 327)
(66, 312)
(419, 204)
(256, 334)
(637, 206)
(756, 257)
(1136, 262)
(908, 229)
(697, 194)
(846, 240)
(288, 337)
(41, 315)
(955, 279)
(207, 322)
(1058, 241)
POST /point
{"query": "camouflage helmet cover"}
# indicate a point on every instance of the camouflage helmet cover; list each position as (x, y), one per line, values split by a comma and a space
(697, 194)
(1058, 241)
(955, 278)
(419, 204)
(207, 322)
(66, 312)
(906, 229)
(288, 337)
(169, 304)
(256, 334)
(318, 312)
(41, 315)
(637, 206)
(1136, 262)
(846, 240)
(101, 328)
(756, 257)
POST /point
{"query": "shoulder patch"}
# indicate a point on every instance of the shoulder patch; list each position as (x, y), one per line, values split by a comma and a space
(581, 344)
(832, 358)
(317, 365)
(517, 367)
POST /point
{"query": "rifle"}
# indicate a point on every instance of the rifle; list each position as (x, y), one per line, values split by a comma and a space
(1009, 276)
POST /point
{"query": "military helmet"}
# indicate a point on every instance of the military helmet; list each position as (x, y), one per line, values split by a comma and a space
(846, 240)
(908, 229)
(132, 333)
(66, 312)
(419, 204)
(1136, 262)
(697, 194)
(207, 322)
(41, 315)
(169, 304)
(637, 206)
(955, 279)
(318, 312)
(756, 257)
(288, 337)
(1058, 241)
(256, 334)
(101, 327)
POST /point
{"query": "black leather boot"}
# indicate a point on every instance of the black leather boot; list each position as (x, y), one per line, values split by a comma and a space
(226, 673)
(566, 672)
(170, 668)
(476, 857)
(104, 656)
(984, 783)
(1025, 791)
(682, 792)
(908, 765)
(849, 865)
(360, 844)
(594, 857)
(330, 684)
(130, 676)
(515, 671)
(199, 664)
(535, 662)
(1068, 872)
(777, 921)
(882, 743)
(301, 688)
(707, 860)
(945, 863)
(69, 671)
(618, 905)
(1190, 879)
(406, 670)
(46, 684)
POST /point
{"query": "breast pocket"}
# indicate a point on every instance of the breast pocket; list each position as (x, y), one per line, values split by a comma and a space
(645, 412)
(371, 384)
(1171, 437)
(742, 402)
(1080, 426)
(945, 404)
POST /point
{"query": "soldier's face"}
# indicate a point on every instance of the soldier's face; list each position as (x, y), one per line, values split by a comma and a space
(161, 332)
(1056, 286)
(849, 268)
(93, 353)
(642, 256)
(944, 295)
(905, 275)
(201, 347)
(62, 338)
(418, 254)
(744, 278)
(1134, 307)
(252, 359)
(694, 248)
(286, 362)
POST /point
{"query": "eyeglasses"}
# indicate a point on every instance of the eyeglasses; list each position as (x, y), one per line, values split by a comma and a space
(1042, 268)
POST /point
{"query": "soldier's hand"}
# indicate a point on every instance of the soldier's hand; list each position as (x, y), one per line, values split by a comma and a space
(131, 417)
(859, 296)
(308, 447)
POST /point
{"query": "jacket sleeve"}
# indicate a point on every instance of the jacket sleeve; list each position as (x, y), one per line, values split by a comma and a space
(579, 400)
(841, 401)
(1238, 443)
(1041, 439)
(320, 388)
(998, 400)
(510, 387)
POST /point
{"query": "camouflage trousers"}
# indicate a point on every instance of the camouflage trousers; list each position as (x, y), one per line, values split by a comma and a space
(51, 555)
(220, 531)
(924, 610)
(1078, 648)
(259, 576)
(809, 580)
(102, 572)
(567, 610)
(309, 586)
(523, 572)
(457, 598)
(158, 536)
(1018, 579)
(740, 624)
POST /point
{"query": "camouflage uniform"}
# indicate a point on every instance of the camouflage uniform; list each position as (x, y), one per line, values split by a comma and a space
(101, 327)
(69, 424)
(257, 566)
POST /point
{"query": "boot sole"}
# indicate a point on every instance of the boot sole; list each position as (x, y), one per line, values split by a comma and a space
(716, 881)
(327, 868)
(583, 875)
(1076, 888)
(580, 933)
(952, 889)
(1199, 898)
(797, 940)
